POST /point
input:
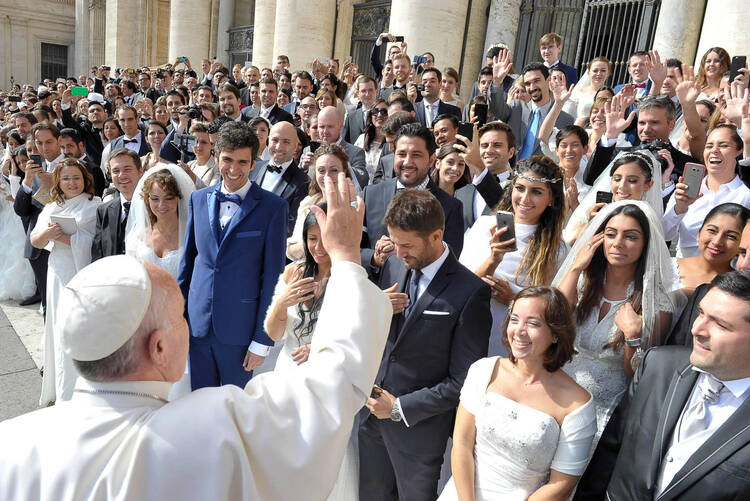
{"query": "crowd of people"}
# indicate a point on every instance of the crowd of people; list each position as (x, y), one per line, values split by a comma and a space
(565, 261)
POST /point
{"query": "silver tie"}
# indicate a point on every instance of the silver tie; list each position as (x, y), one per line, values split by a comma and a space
(695, 419)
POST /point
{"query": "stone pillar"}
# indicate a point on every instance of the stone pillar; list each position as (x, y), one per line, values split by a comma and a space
(473, 56)
(303, 31)
(82, 61)
(226, 20)
(431, 25)
(189, 30)
(97, 31)
(725, 25)
(123, 46)
(678, 29)
(263, 33)
(502, 24)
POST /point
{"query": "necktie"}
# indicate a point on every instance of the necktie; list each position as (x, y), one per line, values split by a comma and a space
(273, 168)
(695, 419)
(229, 197)
(123, 225)
(528, 142)
(416, 275)
(126, 209)
(428, 116)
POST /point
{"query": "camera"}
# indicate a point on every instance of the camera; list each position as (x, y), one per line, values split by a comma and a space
(420, 87)
(195, 112)
(419, 60)
(654, 146)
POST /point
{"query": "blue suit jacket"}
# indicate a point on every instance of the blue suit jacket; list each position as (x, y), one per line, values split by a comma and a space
(228, 282)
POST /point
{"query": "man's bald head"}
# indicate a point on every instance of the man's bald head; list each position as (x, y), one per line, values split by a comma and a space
(282, 142)
(329, 125)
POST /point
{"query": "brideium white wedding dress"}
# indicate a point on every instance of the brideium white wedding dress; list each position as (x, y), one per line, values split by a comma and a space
(516, 446)
(16, 277)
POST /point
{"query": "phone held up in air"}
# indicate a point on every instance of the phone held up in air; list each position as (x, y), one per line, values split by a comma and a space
(692, 176)
(314, 145)
(480, 112)
(400, 39)
(79, 91)
(505, 219)
(603, 197)
(37, 159)
(738, 63)
(466, 129)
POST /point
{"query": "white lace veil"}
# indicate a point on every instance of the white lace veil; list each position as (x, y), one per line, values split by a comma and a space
(139, 224)
(580, 216)
(658, 278)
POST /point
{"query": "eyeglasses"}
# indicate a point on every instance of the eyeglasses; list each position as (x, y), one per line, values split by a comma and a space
(379, 111)
(308, 106)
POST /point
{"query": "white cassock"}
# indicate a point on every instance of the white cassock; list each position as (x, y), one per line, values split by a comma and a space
(282, 438)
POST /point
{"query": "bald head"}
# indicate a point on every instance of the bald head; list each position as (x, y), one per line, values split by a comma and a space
(282, 142)
(329, 125)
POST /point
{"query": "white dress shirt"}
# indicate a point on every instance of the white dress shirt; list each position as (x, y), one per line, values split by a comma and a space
(264, 112)
(272, 179)
(50, 166)
(686, 225)
(428, 273)
(430, 111)
(133, 145)
(479, 202)
(718, 413)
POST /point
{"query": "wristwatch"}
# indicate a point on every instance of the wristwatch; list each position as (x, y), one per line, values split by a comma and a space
(396, 412)
(633, 343)
(666, 185)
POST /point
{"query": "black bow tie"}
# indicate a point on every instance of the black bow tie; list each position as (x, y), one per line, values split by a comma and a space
(274, 168)
(127, 141)
(229, 197)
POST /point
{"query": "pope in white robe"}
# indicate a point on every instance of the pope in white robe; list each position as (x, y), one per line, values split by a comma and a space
(282, 438)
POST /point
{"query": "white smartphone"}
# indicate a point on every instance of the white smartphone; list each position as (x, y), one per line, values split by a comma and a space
(506, 219)
(693, 176)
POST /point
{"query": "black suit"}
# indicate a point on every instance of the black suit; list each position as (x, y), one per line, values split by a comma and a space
(28, 210)
(100, 184)
(681, 334)
(91, 136)
(488, 188)
(384, 170)
(634, 444)
(277, 114)
(293, 188)
(109, 239)
(378, 196)
(424, 365)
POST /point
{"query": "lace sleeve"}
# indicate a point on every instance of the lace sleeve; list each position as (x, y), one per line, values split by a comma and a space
(576, 435)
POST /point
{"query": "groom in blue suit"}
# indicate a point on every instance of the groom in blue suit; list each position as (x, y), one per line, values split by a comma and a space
(234, 253)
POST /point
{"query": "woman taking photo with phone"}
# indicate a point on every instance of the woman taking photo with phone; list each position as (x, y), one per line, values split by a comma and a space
(533, 206)
(684, 215)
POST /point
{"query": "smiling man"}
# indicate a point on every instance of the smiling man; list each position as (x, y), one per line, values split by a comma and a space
(681, 431)
(235, 245)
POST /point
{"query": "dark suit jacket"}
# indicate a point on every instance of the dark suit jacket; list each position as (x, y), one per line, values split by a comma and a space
(384, 170)
(96, 172)
(28, 210)
(292, 188)
(170, 153)
(107, 241)
(571, 74)
(681, 334)
(277, 115)
(428, 354)
(377, 66)
(378, 196)
(357, 163)
(443, 109)
(627, 460)
(92, 140)
(354, 125)
(488, 188)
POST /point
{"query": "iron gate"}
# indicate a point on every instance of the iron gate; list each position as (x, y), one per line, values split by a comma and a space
(589, 28)
(369, 20)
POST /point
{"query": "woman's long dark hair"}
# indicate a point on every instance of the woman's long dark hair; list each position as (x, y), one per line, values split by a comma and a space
(370, 129)
(309, 268)
(595, 274)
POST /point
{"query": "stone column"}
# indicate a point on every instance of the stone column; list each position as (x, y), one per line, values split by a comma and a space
(473, 56)
(263, 33)
(226, 20)
(97, 31)
(303, 30)
(123, 46)
(431, 25)
(189, 30)
(725, 25)
(502, 24)
(678, 29)
(82, 61)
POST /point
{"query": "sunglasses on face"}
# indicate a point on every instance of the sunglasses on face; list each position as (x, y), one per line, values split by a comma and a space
(379, 111)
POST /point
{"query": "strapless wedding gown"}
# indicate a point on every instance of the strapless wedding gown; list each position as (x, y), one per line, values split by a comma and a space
(516, 446)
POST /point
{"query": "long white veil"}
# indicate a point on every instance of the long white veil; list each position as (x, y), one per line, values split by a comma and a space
(580, 216)
(139, 224)
(658, 278)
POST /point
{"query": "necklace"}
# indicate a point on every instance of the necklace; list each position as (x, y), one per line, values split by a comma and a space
(123, 392)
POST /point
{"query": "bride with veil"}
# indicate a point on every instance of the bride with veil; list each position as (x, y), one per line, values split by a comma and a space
(155, 232)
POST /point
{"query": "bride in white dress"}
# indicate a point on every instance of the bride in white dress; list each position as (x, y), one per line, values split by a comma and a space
(524, 427)
(156, 227)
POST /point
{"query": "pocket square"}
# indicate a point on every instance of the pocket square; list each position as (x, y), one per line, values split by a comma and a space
(440, 313)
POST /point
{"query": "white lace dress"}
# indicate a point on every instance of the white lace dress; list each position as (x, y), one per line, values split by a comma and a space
(16, 277)
(601, 371)
(516, 446)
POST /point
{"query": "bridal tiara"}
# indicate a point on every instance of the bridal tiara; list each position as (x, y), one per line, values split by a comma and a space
(539, 179)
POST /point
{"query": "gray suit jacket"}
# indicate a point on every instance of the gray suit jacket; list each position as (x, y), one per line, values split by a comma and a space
(354, 125)
(384, 170)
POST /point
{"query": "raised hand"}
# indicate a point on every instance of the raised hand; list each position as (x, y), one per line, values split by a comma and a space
(298, 291)
(561, 94)
(498, 247)
(614, 113)
(501, 65)
(657, 69)
(736, 97)
(501, 291)
(586, 254)
(746, 127)
(687, 91)
(341, 227)
(681, 198)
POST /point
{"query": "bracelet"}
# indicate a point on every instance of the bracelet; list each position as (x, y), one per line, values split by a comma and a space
(666, 185)
(633, 343)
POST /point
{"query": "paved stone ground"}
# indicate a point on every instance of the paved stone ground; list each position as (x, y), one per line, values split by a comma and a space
(21, 331)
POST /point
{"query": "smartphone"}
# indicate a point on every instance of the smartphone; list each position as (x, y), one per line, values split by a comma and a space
(603, 197)
(738, 62)
(693, 176)
(400, 39)
(37, 159)
(480, 111)
(314, 145)
(376, 391)
(466, 129)
(14, 99)
(183, 59)
(79, 91)
(419, 59)
(505, 219)
(420, 87)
